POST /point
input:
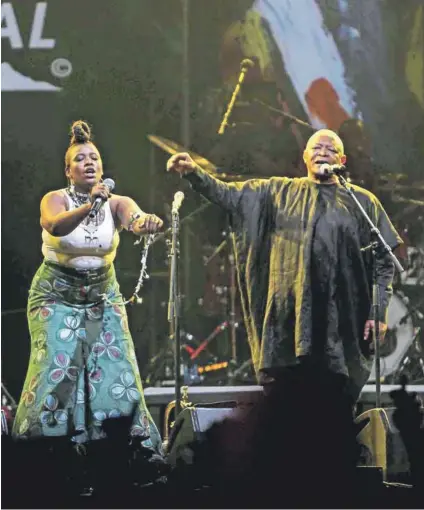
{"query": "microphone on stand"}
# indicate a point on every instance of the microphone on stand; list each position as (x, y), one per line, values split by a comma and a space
(178, 200)
(245, 65)
(327, 169)
(95, 207)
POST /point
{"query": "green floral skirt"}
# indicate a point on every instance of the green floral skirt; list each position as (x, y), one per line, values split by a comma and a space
(82, 368)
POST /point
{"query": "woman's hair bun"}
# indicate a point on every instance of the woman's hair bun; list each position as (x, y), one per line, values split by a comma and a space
(80, 132)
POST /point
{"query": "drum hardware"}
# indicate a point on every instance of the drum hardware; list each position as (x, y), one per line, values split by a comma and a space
(404, 200)
(413, 363)
(244, 374)
(229, 291)
(401, 351)
(219, 329)
(6, 419)
(414, 273)
(410, 224)
(9, 399)
(197, 374)
(8, 409)
(160, 367)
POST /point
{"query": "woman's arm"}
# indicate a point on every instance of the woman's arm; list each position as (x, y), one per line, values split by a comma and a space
(56, 219)
(133, 219)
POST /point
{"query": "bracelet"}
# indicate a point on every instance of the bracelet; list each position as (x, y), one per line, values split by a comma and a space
(134, 216)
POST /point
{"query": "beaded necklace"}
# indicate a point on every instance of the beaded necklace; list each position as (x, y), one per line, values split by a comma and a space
(79, 198)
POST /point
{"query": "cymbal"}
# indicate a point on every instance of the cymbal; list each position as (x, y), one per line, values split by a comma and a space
(393, 182)
(398, 198)
(403, 187)
(172, 147)
(388, 177)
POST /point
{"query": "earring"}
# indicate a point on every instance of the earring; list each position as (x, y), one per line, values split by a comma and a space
(71, 186)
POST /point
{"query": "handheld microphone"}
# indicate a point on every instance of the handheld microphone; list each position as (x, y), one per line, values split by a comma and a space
(178, 200)
(96, 205)
(327, 169)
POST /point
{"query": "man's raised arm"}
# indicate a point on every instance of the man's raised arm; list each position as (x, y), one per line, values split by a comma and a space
(227, 195)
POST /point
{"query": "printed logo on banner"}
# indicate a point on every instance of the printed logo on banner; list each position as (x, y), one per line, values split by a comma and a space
(11, 78)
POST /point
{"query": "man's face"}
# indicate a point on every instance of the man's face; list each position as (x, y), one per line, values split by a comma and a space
(322, 149)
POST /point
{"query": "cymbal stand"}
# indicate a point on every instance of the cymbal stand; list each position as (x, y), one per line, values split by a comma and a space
(415, 353)
(231, 323)
(413, 357)
(232, 311)
(12, 401)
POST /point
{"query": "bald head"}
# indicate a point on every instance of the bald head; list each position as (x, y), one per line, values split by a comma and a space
(329, 134)
(323, 147)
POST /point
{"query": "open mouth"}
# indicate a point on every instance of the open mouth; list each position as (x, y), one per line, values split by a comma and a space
(90, 172)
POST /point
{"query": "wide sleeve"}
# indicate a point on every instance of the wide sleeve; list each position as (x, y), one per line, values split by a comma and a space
(235, 197)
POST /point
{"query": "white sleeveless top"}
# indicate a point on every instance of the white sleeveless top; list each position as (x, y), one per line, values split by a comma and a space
(91, 245)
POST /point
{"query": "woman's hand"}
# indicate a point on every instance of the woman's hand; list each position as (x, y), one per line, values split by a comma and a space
(150, 224)
(100, 190)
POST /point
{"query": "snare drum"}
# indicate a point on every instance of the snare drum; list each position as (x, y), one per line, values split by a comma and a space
(399, 337)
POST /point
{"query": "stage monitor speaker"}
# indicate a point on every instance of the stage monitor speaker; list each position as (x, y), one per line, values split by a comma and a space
(382, 445)
(191, 425)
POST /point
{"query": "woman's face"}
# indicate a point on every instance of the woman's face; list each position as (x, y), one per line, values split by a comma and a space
(85, 167)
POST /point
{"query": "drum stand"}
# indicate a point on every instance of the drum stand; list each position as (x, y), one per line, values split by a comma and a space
(414, 356)
(12, 401)
(231, 323)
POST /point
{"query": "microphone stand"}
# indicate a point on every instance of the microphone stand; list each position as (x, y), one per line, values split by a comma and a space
(377, 244)
(174, 307)
(245, 65)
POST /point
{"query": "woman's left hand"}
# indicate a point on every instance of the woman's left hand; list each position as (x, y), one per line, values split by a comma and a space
(149, 225)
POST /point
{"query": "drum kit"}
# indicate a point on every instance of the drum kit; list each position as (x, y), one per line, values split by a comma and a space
(403, 350)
